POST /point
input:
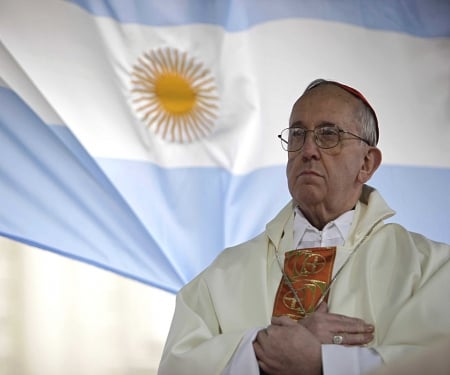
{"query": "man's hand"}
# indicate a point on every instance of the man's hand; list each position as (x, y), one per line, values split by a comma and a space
(325, 325)
(287, 348)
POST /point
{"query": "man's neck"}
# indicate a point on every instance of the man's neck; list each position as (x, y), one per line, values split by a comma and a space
(319, 217)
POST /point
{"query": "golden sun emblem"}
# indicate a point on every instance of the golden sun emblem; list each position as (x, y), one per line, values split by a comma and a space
(174, 95)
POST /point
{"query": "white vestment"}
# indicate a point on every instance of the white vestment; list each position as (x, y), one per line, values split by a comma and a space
(394, 279)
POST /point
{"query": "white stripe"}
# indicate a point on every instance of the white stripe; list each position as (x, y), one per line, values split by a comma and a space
(82, 68)
(14, 77)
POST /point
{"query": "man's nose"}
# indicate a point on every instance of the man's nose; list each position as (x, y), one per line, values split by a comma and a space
(310, 149)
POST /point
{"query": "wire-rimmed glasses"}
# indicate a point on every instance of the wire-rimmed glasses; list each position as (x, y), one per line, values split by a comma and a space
(327, 136)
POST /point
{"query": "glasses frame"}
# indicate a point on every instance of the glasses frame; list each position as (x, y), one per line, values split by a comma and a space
(285, 143)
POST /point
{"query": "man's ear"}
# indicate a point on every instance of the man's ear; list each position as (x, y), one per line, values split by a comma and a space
(372, 161)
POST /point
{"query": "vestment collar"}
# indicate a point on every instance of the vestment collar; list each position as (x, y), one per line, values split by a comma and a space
(370, 211)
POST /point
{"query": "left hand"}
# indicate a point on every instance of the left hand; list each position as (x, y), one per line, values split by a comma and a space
(324, 325)
(288, 348)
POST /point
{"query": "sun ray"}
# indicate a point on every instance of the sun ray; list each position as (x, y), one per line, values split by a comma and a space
(163, 60)
(178, 60)
(182, 67)
(148, 65)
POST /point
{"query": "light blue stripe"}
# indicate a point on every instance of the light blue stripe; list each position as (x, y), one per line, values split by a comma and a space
(51, 199)
(423, 18)
(420, 196)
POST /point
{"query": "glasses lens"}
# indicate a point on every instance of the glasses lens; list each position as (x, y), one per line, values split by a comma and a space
(296, 137)
(327, 136)
(292, 139)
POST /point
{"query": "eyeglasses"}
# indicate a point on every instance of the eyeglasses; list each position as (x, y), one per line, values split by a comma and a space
(328, 136)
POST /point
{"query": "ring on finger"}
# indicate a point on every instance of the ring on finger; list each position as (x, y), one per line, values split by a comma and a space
(337, 339)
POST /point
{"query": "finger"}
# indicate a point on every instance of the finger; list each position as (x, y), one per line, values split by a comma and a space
(358, 326)
(344, 323)
(261, 337)
(283, 321)
(266, 367)
(357, 338)
(264, 333)
(352, 338)
(260, 347)
(259, 351)
(263, 367)
(263, 355)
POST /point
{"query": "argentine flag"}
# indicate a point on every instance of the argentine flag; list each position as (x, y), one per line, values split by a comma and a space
(141, 136)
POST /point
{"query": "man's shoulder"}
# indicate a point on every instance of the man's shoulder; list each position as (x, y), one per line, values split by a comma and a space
(409, 247)
(232, 262)
(420, 240)
(257, 246)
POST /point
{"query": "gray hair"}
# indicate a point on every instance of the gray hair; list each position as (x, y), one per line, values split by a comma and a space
(365, 113)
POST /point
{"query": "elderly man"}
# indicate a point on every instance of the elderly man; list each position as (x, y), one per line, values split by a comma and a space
(328, 287)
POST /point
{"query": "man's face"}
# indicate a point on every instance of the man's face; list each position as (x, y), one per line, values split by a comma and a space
(326, 181)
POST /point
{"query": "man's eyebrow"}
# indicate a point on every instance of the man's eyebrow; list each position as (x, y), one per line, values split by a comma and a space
(327, 123)
(299, 124)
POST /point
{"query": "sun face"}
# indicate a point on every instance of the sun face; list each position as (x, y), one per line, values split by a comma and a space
(174, 95)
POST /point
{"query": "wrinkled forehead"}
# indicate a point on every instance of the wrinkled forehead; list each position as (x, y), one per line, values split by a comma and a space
(325, 102)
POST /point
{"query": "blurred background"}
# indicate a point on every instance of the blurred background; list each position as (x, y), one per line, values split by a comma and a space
(59, 316)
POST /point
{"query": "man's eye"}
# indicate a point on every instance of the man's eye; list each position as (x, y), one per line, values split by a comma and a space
(297, 132)
(328, 131)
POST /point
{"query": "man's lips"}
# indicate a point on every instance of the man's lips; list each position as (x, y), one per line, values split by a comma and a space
(310, 172)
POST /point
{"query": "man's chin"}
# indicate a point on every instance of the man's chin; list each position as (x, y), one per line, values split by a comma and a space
(308, 196)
